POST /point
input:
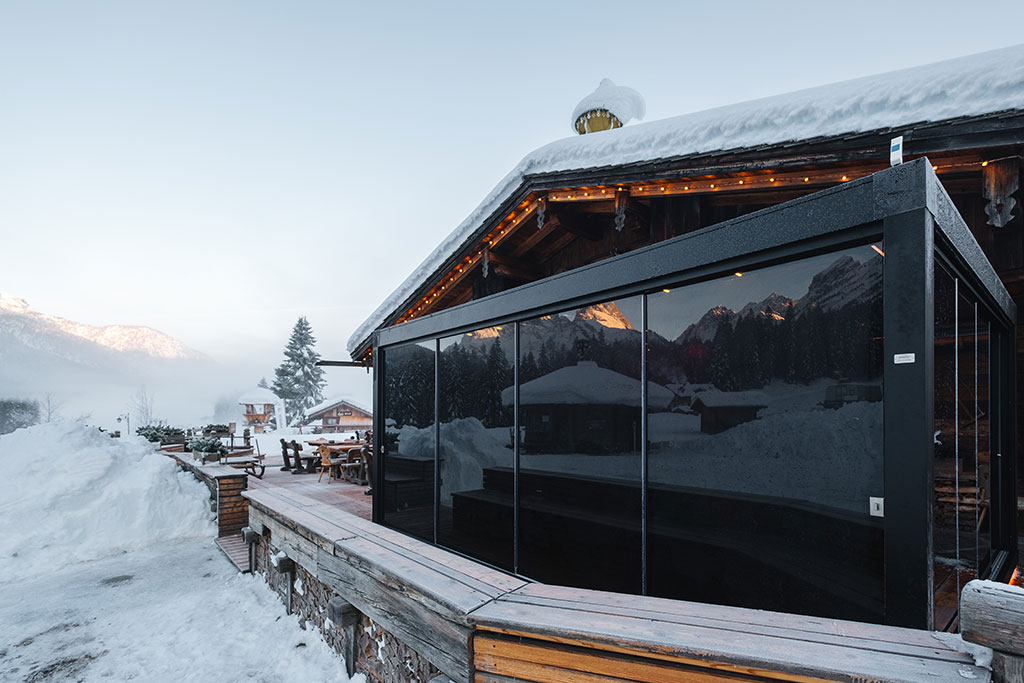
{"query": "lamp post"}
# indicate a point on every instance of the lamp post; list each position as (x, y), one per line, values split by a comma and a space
(128, 421)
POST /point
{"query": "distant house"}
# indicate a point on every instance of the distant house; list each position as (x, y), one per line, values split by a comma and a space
(584, 408)
(721, 410)
(340, 415)
(258, 406)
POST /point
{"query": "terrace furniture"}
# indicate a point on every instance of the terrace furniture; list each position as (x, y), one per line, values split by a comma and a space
(287, 459)
(327, 464)
(253, 464)
(368, 459)
(305, 463)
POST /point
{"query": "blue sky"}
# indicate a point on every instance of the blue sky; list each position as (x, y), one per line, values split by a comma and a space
(215, 169)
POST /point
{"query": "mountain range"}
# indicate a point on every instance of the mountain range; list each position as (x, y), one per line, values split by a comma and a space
(97, 369)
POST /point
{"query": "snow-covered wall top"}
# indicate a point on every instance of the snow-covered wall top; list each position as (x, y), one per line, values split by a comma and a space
(968, 86)
(625, 103)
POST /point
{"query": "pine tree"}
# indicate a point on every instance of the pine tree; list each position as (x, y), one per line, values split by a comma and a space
(298, 380)
(262, 384)
(528, 369)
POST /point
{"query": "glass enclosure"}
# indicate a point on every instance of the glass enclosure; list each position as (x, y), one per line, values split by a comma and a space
(740, 369)
(767, 424)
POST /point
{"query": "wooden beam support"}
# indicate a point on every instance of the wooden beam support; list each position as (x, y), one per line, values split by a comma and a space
(550, 225)
(516, 267)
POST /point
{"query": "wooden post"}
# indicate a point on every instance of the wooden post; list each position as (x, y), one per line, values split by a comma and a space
(344, 614)
(992, 614)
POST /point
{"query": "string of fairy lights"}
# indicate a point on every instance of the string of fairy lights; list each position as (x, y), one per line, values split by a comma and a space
(679, 186)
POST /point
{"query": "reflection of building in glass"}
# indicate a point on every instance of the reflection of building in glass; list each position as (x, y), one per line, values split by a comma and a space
(819, 352)
(720, 410)
(583, 408)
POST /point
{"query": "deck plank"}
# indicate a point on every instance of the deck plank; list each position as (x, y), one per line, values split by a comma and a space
(729, 617)
(696, 645)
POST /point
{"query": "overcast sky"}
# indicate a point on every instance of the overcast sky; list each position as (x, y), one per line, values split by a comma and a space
(216, 169)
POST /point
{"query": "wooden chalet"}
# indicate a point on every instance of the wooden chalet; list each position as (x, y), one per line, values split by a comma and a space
(340, 415)
(907, 278)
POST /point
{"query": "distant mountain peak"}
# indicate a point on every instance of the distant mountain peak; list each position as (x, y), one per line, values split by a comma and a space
(10, 302)
(33, 327)
(606, 315)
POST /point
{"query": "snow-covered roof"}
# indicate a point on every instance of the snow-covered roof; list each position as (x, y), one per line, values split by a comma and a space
(332, 402)
(968, 86)
(586, 383)
(625, 103)
(258, 395)
(731, 399)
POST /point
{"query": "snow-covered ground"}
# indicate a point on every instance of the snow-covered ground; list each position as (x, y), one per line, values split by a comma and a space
(108, 571)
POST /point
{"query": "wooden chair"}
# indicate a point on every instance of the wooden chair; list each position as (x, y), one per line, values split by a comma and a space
(326, 465)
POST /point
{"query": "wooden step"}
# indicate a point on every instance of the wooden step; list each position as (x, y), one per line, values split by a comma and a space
(236, 550)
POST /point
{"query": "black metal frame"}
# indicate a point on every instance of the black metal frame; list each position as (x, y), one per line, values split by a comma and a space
(908, 208)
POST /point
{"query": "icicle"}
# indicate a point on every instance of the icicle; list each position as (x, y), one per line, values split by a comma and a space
(542, 210)
(487, 262)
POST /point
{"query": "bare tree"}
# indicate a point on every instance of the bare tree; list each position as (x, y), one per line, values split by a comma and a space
(50, 408)
(142, 405)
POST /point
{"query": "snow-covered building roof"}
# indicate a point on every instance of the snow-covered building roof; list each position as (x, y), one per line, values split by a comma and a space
(731, 399)
(586, 383)
(258, 395)
(330, 403)
(977, 85)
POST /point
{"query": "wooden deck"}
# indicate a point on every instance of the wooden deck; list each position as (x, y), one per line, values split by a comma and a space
(343, 496)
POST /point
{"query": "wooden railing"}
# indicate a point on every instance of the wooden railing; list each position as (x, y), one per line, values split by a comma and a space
(478, 624)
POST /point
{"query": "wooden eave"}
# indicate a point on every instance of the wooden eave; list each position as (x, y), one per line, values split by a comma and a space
(958, 146)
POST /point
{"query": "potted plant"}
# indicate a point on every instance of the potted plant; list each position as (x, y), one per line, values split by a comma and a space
(207, 448)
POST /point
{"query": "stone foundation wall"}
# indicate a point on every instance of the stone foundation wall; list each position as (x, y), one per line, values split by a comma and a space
(379, 654)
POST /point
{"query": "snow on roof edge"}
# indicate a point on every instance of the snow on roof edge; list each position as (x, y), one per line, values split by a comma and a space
(324, 405)
(976, 84)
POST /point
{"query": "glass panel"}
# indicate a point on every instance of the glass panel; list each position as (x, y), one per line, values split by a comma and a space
(580, 394)
(983, 464)
(962, 453)
(945, 442)
(767, 443)
(477, 456)
(408, 486)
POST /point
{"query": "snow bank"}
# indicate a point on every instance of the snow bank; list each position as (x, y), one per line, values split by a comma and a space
(71, 493)
(158, 615)
(968, 86)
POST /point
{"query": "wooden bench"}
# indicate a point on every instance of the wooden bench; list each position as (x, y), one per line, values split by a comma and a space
(252, 464)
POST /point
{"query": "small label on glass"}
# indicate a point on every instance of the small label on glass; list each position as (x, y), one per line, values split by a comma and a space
(901, 358)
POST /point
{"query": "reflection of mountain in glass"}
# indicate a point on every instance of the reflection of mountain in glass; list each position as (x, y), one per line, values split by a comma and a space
(833, 331)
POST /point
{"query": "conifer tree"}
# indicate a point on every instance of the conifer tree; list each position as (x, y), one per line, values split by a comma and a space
(298, 380)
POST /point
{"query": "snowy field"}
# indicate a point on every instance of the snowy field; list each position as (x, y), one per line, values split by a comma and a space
(108, 572)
